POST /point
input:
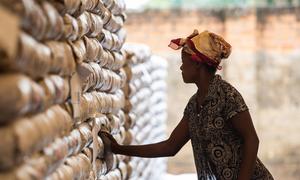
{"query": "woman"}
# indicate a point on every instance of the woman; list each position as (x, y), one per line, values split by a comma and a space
(216, 118)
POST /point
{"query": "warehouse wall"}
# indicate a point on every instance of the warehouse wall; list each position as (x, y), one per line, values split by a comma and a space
(263, 66)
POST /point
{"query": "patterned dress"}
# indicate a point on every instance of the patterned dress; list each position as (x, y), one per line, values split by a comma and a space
(217, 146)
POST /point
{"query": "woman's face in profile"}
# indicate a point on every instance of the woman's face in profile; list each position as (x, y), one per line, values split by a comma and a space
(188, 68)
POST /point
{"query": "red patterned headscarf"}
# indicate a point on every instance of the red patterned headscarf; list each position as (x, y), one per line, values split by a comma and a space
(205, 47)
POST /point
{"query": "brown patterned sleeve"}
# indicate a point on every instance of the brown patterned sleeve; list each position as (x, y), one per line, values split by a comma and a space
(234, 103)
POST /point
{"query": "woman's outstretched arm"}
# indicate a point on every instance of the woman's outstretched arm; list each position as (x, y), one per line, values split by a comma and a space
(178, 138)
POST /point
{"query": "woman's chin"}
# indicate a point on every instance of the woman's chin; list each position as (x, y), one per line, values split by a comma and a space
(185, 80)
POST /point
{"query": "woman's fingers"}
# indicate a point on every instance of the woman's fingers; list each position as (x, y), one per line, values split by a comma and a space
(106, 140)
(103, 132)
(109, 136)
(109, 141)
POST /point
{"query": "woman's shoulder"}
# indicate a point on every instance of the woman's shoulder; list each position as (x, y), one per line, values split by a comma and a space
(227, 88)
(233, 100)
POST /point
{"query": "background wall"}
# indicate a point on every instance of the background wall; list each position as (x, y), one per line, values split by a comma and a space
(263, 67)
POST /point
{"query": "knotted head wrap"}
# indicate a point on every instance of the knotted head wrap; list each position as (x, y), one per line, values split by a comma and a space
(205, 47)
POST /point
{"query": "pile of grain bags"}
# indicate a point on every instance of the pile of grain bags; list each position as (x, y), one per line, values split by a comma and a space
(63, 77)
(61, 86)
(145, 106)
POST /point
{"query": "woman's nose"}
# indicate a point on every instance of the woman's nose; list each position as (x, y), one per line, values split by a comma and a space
(181, 67)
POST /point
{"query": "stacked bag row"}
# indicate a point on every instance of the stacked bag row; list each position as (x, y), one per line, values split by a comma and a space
(60, 88)
(145, 107)
(70, 78)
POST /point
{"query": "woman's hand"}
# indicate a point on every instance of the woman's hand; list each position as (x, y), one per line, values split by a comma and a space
(110, 144)
(179, 137)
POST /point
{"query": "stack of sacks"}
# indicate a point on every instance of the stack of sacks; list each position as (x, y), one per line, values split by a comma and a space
(70, 78)
(145, 87)
(60, 88)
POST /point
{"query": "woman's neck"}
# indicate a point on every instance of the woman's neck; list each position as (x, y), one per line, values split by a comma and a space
(203, 85)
